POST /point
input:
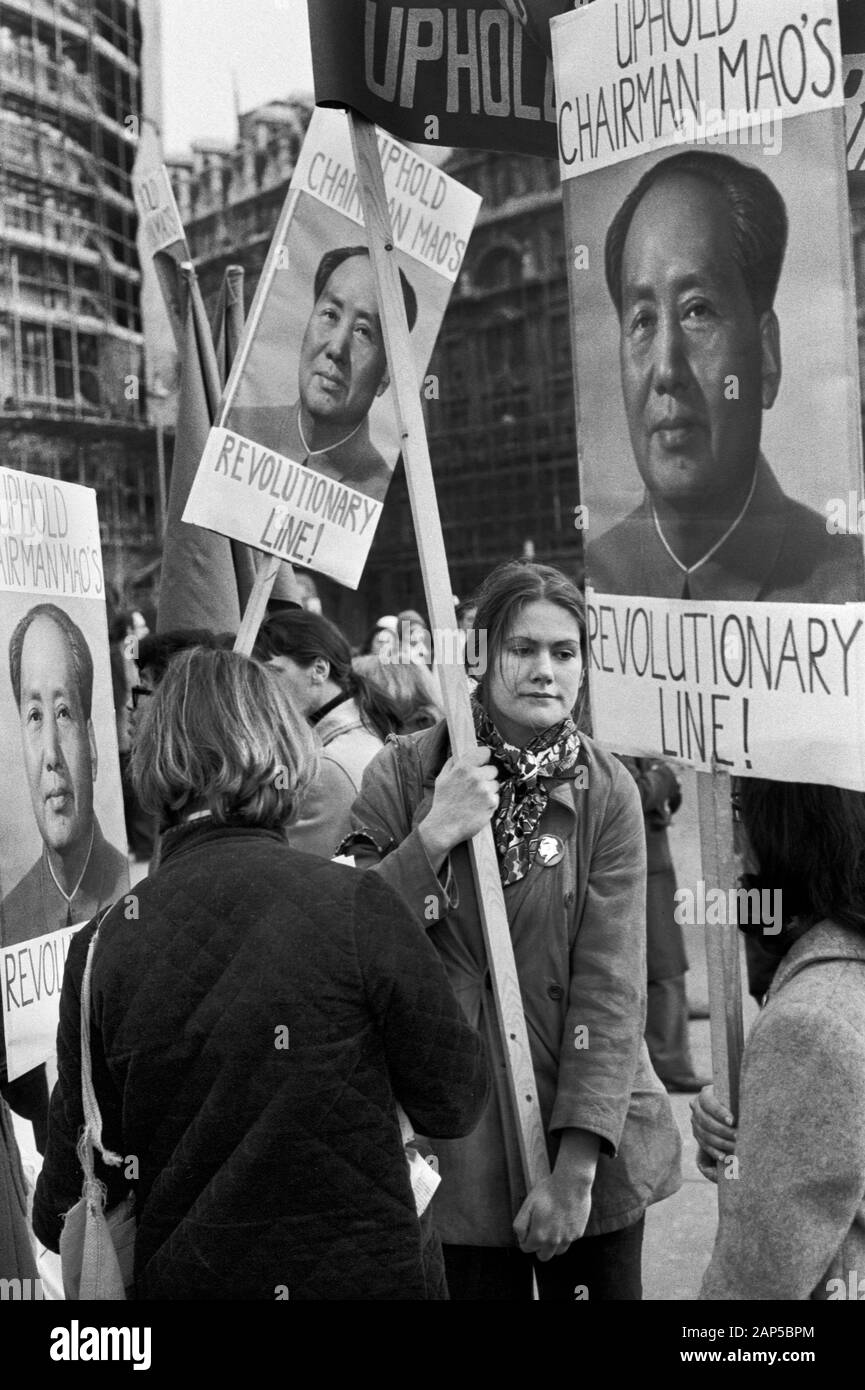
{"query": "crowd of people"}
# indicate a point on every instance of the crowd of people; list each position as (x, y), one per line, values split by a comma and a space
(296, 1051)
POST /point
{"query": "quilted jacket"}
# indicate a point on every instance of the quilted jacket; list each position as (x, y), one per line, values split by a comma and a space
(252, 1032)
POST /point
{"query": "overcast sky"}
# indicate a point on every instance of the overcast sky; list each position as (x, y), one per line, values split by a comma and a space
(264, 42)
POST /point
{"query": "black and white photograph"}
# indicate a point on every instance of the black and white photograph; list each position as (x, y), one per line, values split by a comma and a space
(432, 677)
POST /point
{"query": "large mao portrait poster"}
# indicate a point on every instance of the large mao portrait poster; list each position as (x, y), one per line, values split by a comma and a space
(307, 440)
(63, 841)
(714, 333)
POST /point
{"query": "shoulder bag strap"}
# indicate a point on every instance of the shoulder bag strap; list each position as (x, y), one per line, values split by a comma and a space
(91, 1137)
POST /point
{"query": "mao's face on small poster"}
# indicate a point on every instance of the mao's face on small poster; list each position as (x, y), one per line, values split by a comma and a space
(316, 386)
(63, 822)
(62, 831)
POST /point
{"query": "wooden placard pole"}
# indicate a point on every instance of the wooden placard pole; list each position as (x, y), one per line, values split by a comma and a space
(439, 599)
(722, 945)
(253, 614)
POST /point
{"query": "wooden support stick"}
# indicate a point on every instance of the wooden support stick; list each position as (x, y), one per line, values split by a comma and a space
(439, 598)
(265, 579)
(722, 945)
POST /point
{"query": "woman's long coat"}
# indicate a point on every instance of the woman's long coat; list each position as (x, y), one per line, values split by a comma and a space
(578, 930)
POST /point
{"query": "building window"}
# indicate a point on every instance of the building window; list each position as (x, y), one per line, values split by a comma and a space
(501, 268)
(88, 370)
(34, 364)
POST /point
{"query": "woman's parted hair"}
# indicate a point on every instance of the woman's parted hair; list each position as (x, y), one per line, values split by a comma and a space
(507, 590)
(410, 685)
(221, 734)
(809, 842)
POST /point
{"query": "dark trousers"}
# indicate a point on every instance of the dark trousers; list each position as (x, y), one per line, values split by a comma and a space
(602, 1269)
(667, 1028)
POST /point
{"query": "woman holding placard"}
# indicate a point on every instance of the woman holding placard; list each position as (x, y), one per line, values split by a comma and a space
(568, 829)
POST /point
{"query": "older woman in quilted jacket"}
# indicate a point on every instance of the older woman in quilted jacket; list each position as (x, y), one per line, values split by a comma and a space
(568, 829)
(257, 1013)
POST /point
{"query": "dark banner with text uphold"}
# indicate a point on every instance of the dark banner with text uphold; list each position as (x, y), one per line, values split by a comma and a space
(465, 73)
(469, 73)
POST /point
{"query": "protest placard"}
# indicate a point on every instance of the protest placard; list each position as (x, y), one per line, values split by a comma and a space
(716, 378)
(63, 837)
(157, 209)
(457, 74)
(733, 685)
(464, 73)
(307, 438)
(164, 237)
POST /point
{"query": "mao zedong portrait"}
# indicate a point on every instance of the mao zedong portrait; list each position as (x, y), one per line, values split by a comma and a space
(693, 260)
(78, 871)
(342, 370)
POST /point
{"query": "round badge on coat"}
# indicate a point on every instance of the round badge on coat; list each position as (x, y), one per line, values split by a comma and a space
(550, 850)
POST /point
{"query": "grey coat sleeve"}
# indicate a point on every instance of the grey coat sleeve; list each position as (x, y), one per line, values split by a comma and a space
(799, 1171)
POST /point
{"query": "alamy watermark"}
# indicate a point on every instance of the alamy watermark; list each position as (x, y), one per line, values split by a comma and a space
(853, 1288)
(77, 1343)
(709, 125)
(452, 646)
(722, 907)
(21, 1290)
(846, 515)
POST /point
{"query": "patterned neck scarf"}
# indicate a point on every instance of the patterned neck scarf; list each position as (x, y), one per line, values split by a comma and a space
(523, 796)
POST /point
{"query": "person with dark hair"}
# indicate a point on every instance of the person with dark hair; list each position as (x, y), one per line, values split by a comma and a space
(78, 871)
(382, 640)
(342, 369)
(157, 649)
(793, 1223)
(254, 1029)
(415, 637)
(568, 831)
(351, 716)
(693, 259)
